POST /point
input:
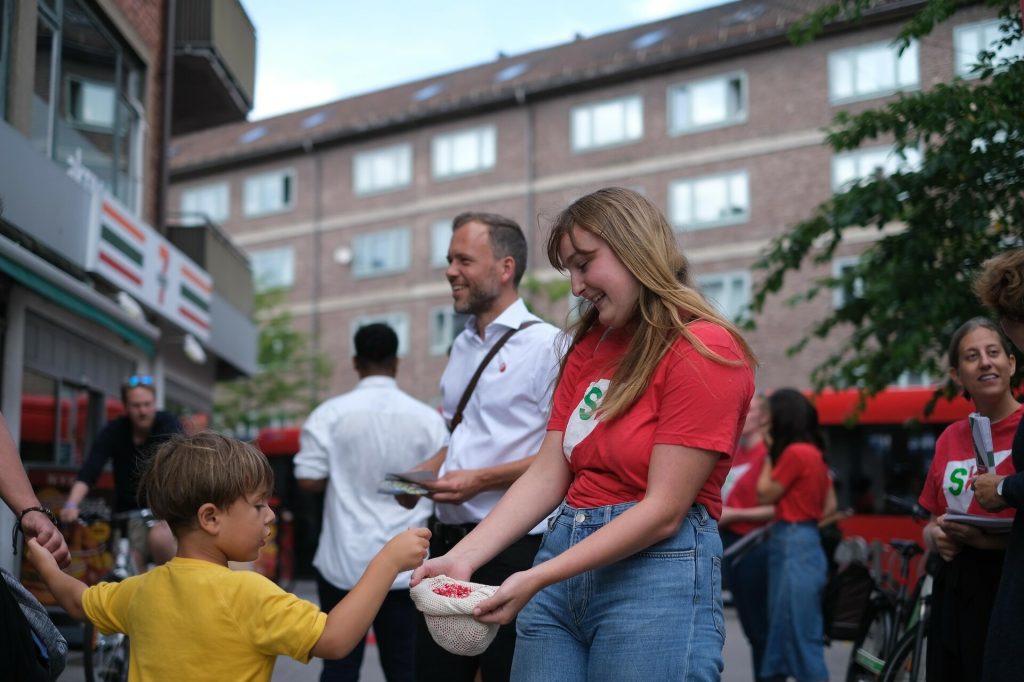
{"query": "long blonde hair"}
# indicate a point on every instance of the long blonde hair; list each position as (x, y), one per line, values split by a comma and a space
(644, 243)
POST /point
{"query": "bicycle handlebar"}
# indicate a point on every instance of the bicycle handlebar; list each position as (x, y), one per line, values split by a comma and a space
(908, 507)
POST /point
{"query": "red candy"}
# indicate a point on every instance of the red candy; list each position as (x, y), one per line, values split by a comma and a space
(453, 590)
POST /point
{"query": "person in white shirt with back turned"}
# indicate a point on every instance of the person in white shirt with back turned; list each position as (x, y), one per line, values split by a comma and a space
(502, 425)
(348, 445)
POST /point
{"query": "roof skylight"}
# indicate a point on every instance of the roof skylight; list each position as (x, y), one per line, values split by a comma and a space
(252, 135)
(510, 72)
(428, 91)
(313, 120)
(649, 39)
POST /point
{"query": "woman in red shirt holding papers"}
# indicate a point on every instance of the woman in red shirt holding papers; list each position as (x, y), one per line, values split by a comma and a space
(647, 411)
(795, 479)
(965, 585)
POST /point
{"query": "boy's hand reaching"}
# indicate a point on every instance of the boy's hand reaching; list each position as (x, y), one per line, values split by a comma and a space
(407, 550)
(39, 557)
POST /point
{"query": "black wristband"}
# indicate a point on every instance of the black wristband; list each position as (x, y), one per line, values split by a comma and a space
(42, 510)
(17, 526)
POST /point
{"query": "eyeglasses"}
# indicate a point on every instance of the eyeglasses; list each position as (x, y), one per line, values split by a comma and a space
(139, 380)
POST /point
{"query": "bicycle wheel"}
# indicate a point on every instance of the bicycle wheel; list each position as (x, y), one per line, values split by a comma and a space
(867, 657)
(902, 667)
(104, 657)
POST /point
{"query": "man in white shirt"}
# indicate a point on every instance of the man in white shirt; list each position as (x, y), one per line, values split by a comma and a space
(348, 445)
(502, 425)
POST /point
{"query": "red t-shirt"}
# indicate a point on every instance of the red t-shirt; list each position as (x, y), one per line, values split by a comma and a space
(691, 401)
(740, 488)
(946, 487)
(802, 471)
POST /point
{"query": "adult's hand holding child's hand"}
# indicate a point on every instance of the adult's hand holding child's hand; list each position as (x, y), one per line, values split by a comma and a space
(36, 526)
(40, 557)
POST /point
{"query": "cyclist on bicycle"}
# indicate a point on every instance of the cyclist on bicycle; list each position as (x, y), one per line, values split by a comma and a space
(965, 583)
(129, 440)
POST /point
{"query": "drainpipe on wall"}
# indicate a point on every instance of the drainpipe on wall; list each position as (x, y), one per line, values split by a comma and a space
(167, 74)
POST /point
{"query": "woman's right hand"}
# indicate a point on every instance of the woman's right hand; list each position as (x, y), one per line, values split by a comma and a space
(442, 565)
(945, 543)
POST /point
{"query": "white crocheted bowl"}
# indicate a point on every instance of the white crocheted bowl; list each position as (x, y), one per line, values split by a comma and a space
(447, 605)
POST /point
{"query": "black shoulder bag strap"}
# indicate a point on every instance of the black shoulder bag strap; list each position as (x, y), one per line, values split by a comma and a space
(457, 417)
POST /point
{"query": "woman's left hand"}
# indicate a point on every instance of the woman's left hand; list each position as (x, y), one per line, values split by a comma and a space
(510, 598)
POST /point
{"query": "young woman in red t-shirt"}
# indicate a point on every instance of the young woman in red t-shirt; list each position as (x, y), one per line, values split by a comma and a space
(965, 585)
(647, 411)
(795, 479)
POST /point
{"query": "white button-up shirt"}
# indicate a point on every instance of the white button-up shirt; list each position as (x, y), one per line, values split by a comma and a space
(507, 415)
(353, 441)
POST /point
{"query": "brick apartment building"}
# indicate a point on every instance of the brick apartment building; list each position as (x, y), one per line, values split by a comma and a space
(714, 115)
(93, 286)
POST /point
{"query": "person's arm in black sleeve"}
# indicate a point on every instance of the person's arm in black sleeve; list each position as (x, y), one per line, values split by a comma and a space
(1013, 490)
(91, 469)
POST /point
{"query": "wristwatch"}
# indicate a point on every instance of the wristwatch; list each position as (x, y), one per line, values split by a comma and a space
(999, 487)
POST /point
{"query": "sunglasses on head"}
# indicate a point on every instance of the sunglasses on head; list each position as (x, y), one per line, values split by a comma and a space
(139, 380)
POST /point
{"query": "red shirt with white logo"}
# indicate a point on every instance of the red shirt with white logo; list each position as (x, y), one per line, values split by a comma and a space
(691, 401)
(802, 471)
(946, 487)
(740, 488)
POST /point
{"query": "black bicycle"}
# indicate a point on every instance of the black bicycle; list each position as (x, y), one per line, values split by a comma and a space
(895, 614)
(105, 658)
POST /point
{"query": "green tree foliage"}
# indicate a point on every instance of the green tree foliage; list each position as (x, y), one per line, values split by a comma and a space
(936, 224)
(291, 379)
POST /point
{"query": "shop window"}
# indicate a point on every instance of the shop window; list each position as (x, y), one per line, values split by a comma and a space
(58, 421)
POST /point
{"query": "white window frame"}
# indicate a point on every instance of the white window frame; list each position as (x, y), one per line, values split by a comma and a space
(444, 148)
(441, 338)
(397, 320)
(76, 117)
(692, 184)
(253, 208)
(361, 243)
(440, 238)
(892, 163)
(965, 61)
(591, 110)
(839, 265)
(730, 119)
(286, 272)
(731, 310)
(837, 59)
(212, 200)
(398, 155)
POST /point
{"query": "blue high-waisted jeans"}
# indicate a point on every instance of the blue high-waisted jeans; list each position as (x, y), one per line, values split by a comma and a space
(656, 615)
(796, 576)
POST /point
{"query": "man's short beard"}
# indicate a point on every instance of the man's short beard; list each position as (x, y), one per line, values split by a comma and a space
(480, 300)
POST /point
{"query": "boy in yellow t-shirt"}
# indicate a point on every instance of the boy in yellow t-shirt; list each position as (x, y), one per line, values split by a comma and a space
(194, 618)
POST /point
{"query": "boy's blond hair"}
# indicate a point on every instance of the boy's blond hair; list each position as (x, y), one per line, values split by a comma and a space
(186, 472)
(1000, 285)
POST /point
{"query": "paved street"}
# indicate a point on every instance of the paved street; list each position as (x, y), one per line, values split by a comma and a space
(736, 654)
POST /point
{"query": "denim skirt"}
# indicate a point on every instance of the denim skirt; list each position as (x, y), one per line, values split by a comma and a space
(796, 578)
(655, 615)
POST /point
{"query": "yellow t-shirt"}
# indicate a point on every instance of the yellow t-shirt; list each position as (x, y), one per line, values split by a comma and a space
(194, 620)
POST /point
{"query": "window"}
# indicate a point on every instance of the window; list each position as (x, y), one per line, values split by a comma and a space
(871, 71)
(380, 253)
(268, 193)
(440, 238)
(707, 104)
(909, 378)
(727, 291)
(445, 325)
(611, 122)
(711, 201)
(853, 167)
(273, 268)
(87, 99)
(855, 289)
(399, 322)
(970, 39)
(464, 152)
(383, 169)
(208, 201)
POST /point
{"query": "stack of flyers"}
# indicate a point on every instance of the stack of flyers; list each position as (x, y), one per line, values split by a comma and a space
(981, 436)
(406, 483)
